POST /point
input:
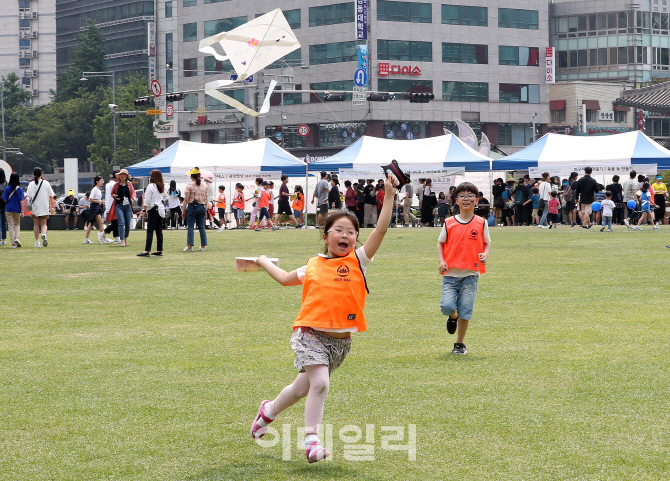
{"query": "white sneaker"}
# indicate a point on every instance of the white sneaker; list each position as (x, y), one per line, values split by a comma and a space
(202, 249)
(44, 239)
(117, 241)
(188, 249)
(627, 222)
(37, 243)
(17, 242)
(637, 228)
(219, 230)
(88, 241)
(2, 243)
(100, 234)
(655, 227)
(108, 241)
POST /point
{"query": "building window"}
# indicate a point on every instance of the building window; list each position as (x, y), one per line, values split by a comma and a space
(190, 3)
(25, 81)
(292, 59)
(24, 24)
(591, 115)
(465, 53)
(212, 103)
(191, 102)
(190, 67)
(331, 135)
(24, 44)
(190, 32)
(404, 50)
(515, 134)
(24, 5)
(465, 91)
(168, 49)
(293, 18)
(404, 12)
(212, 27)
(403, 86)
(214, 66)
(557, 116)
(619, 117)
(169, 81)
(332, 53)
(517, 18)
(214, 1)
(289, 98)
(24, 63)
(524, 56)
(660, 58)
(464, 15)
(341, 85)
(332, 14)
(168, 9)
(519, 93)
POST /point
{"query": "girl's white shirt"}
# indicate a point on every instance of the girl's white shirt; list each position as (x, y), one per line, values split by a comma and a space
(41, 204)
(154, 198)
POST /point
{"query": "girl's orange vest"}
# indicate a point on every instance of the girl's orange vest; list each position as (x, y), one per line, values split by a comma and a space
(299, 203)
(464, 243)
(238, 200)
(333, 294)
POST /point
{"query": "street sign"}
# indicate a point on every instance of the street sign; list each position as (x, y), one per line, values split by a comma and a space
(361, 78)
(154, 112)
(156, 88)
(278, 135)
(359, 96)
(303, 130)
(169, 110)
(248, 80)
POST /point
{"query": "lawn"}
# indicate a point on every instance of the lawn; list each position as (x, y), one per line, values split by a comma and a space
(114, 367)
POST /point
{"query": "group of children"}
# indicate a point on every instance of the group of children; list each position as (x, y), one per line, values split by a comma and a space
(322, 331)
(263, 206)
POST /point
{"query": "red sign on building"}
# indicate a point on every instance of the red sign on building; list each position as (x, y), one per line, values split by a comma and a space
(386, 69)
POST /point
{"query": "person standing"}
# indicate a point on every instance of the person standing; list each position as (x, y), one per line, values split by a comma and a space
(321, 192)
(124, 194)
(498, 202)
(194, 210)
(334, 199)
(660, 194)
(40, 195)
(428, 203)
(585, 194)
(298, 205)
(350, 197)
(174, 204)
(617, 197)
(153, 209)
(284, 203)
(84, 206)
(407, 204)
(70, 206)
(629, 193)
(360, 202)
(370, 218)
(520, 195)
(112, 225)
(13, 197)
(3, 218)
(221, 206)
(545, 195)
(95, 211)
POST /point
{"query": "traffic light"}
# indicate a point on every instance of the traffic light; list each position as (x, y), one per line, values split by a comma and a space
(175, 97)
(126, 115)
(328, 97)
(148, 100)
(380, 97)
(420, 97)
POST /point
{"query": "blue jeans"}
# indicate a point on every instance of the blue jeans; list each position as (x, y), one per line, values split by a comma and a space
(458, 293)
(3, 224)
(545, 212)
(194, 215)
(124, 214)
(607, 219)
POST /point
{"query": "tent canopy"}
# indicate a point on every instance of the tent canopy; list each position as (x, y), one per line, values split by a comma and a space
(629, 148)
(434, 152)
(257, 155)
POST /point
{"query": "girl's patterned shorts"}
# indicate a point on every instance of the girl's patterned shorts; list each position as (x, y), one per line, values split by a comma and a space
(312, 347)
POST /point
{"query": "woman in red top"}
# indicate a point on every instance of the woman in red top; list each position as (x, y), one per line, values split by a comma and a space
(350, 197)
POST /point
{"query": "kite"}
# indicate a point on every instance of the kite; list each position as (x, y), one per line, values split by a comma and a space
(250, 48)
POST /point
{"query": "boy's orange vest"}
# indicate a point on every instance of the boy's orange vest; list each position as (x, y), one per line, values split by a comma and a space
(238, 200)
(333, 294)
(264, 200)
(221, 202)
(464, 243)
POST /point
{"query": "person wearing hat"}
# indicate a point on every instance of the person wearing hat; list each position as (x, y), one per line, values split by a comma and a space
(70, 209)
(194, 210)
(660, 194)
(123, 194)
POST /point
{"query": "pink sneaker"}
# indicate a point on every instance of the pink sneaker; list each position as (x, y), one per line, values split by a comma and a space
(258, 431)
(315, 452)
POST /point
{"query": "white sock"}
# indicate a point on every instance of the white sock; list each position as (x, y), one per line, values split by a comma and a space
(310, 439)
(267, 412)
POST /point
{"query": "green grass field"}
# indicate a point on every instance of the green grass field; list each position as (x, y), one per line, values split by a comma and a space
(114, 367)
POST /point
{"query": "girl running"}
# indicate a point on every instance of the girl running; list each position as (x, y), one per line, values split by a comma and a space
(647, 207)
(322, 332)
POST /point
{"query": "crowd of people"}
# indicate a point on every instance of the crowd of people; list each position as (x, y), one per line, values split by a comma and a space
(550, 201)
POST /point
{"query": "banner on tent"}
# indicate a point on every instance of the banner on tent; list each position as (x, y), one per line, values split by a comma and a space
(414, 173)
(565, 171)
(230, 176)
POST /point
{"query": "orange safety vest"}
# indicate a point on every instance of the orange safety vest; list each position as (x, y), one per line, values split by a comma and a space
(221, 202)
(299, 203)
(238, 200)
(264, 200)
(464, 243)
(333, 294)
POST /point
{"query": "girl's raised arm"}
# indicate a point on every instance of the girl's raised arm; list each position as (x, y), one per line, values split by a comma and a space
(377, 236)
(279, 275)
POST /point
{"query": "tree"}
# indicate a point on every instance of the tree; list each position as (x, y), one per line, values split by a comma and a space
(87, 56)
(13, 94)
(135, 136)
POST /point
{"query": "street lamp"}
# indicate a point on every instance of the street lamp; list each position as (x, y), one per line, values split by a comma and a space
(84, 78)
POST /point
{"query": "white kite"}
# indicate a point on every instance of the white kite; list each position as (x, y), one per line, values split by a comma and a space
(250, 48)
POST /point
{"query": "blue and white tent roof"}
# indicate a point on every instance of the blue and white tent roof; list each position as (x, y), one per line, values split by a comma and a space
(257, 155)
(608, 150)
(434, 152)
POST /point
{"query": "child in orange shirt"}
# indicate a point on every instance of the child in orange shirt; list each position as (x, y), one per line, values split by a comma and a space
(322, 332)
(462, 250)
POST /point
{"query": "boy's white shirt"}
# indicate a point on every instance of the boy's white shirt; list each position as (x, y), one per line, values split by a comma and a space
(607, 205)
